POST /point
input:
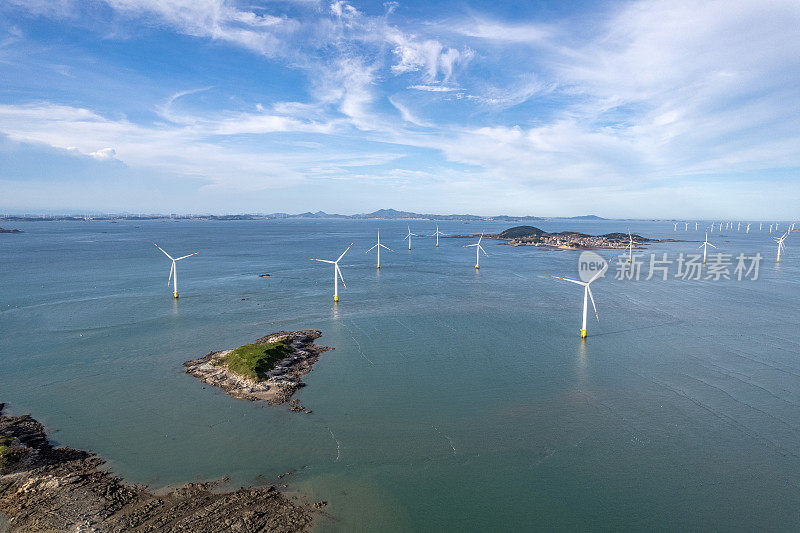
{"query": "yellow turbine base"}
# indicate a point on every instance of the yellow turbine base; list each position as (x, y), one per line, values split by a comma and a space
(335, 298)
(583, 334)
(379, 266)
(477, 266)
(175, 294)
(437, 245)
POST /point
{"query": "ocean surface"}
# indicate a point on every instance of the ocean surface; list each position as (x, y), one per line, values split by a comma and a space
(454, 400)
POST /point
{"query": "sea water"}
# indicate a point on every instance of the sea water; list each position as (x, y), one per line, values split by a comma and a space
(455, 398)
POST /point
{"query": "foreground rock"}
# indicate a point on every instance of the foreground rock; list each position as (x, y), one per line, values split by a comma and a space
(43, 488)
(279, 383)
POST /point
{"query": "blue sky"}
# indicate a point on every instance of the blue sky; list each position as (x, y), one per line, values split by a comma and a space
(647, 109)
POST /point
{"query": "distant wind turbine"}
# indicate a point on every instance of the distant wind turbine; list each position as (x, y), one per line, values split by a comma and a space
(408, 236)
(378, 245)
(630, 247)
(747, 230)
(173, 272)
(686, 227)
(676, 226)
(587, 294)
(337, 273)
(695, 226)
(437, 235)
(739, 227)
(705, 246)
(760, 226)
(478, 250)
(781, 246)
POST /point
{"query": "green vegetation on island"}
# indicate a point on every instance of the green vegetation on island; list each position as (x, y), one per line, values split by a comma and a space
(253, 361)
(5, 446)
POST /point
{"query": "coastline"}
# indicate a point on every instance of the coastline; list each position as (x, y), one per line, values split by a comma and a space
(280, 382)
(43, 488)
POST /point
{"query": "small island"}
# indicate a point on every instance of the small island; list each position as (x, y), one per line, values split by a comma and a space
(568, 240)
(44, 488)
(270, 369)
(3, 230)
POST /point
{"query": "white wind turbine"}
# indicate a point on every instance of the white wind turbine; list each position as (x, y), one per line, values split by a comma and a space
(409, 235)
(173, 272)
(676, 226)
(378, 245)
(686, 226)
(695, 226)
(760, 226)
(337, 273)
(705, 246)
(437, 235)
(739, 227)
(630, 247)
(747, 230)
(478, 250)
(770, 228)
(781, 246)
(720, 226)
(587, 294)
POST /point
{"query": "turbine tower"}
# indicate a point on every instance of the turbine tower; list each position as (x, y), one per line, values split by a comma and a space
(437, 235)
(337, 273)
(587, 294)
(781, 246)
(478, 250)
(173, 271)
(408, 236)
(705, 246)
(378, 245)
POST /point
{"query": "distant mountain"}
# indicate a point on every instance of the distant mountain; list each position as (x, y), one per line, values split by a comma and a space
(587, 217)
(393, 214)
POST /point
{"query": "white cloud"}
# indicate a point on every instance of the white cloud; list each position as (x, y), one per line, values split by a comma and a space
(104, 154)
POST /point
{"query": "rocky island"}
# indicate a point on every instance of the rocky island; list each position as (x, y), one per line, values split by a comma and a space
(44, 488)
(3, 230)
(568, 240)
(270, 369)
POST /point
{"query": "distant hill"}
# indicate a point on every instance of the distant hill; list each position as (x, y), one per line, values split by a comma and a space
(587, 217)
(393, 214)
(521, 231)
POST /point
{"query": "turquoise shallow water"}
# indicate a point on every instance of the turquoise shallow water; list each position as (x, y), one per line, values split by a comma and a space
(454, 399)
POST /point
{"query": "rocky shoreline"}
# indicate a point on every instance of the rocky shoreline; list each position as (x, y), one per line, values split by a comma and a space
(43, 488)
(281, 382)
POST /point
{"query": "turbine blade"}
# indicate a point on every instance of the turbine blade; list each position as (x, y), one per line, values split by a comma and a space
(482, 250)
(185, 256)
(711, 245)
(375, 246)
(165, 253)
(384, 246)
(571, 281)
(351, 244)
(323, 261)
(171, 270)
(594, 306)
(339, 271)
(601, 271)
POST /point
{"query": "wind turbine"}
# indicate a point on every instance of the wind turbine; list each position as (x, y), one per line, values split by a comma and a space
(478, 250)
(695, 226)
(676, 226)
(686, 226)
(437, 235)
(630, 247)
(705, 246)
(587, 293)
(409, 235)
(760, 226)
(378, 245)
(739, 227)
(720, 226)
(781, 246)
(748, 229)
(770, 228)
(337, 273)
(173, 272)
